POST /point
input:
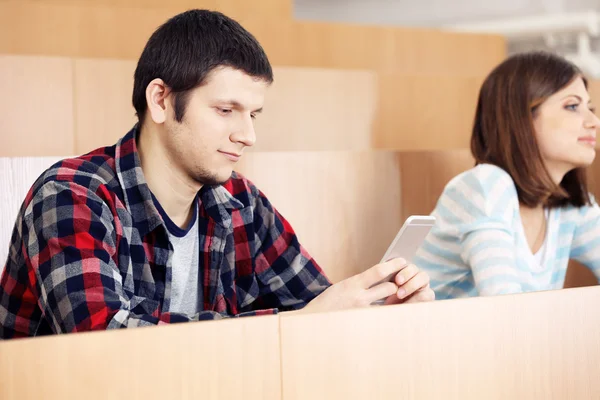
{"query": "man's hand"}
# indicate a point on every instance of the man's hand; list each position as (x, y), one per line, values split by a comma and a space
(413, 287)
(358, 290)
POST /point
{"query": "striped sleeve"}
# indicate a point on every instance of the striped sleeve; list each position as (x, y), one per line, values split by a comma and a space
(481, 205)
(585, 247)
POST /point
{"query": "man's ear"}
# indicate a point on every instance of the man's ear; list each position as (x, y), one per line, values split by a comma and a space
(156, 98)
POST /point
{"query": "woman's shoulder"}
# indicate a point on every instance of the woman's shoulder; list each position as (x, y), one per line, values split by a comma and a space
(483, 192)
(483, 178)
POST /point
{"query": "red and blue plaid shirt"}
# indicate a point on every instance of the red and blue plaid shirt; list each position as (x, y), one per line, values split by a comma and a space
(90, 251)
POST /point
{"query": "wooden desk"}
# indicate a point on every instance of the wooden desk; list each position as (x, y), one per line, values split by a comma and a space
(233, 359)
(532, 346)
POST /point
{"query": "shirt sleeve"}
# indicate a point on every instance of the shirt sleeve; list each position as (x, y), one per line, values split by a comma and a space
(65, 241)
(585, 247)
(288, 276)
(481, 206)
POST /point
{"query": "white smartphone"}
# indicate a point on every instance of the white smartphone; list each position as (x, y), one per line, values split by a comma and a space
(407, 241)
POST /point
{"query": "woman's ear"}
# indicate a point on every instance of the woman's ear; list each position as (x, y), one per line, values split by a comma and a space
(156, 98)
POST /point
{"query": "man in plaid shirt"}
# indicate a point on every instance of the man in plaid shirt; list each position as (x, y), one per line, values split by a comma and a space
(158, 228)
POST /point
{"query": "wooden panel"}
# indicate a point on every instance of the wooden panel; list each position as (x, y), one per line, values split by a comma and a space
(235, 8)
(305, 109)
(593, 177)
(73, 28)
(318, 109)
(532, 346)
(116, 32)
(390, 50)
(343, 205)
(41, 29)
(37, 117)
(594, 89)
(424, 175)
(16, 177)
(578, 275)
(103, 107)
(425, 112)
(184, 361)
(76, 30)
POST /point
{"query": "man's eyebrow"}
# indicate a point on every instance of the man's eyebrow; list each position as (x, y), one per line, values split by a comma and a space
(238, 105)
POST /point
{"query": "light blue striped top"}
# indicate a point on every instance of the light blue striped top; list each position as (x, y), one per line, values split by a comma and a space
(478, 245)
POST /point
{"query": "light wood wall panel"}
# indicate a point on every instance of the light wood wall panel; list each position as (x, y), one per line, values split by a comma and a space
(424, 174)
(103, 106)
(238, 9)
(16, 177)
(79, 30)
(425, 112)
(389, 50)
(37, 106)
(530, 346)
(181, 361)
(344, 206)
(579, 275)
(318, 109)
(76, 30)
(594, 90)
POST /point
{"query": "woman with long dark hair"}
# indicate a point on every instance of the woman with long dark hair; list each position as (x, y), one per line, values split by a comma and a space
(511, 223)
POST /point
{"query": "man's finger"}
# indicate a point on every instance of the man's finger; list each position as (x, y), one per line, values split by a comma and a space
(380, 291)
(381, 272)
(419, 281)
(406, 274)
(422, 295)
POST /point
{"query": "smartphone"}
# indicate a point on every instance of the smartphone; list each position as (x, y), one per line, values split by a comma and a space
(407, 241)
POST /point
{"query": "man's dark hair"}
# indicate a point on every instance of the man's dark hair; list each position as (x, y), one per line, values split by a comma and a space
(186, 48)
